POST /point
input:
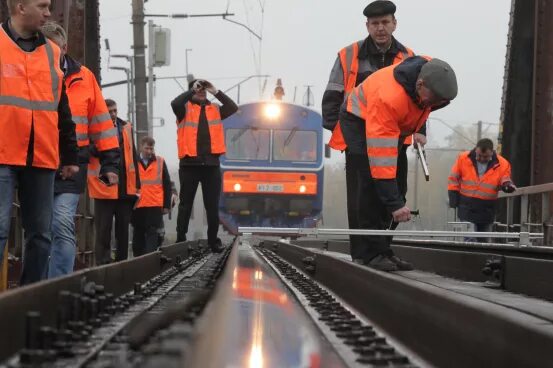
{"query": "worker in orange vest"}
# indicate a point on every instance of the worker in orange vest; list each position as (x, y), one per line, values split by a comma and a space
(37, 130)
(154, 200)
(352, 66)
(114, 199)
(392, 103)
(201, 140)
(94, 128)
(474, 182)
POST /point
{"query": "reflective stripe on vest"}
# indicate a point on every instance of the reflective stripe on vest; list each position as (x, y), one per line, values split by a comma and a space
(187, 130)
(398, 116)
(151, 181)
(29, 97)
(99, 190)
(89, 110)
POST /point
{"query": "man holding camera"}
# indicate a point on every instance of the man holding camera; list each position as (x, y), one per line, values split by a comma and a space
(200, 140)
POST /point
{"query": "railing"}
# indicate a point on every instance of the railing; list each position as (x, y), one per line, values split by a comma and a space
(522, 238)
(528, 210)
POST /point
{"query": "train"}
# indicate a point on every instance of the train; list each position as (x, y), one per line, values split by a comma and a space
(273, 171)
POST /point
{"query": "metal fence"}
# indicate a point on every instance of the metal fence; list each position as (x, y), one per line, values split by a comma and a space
(529, 209)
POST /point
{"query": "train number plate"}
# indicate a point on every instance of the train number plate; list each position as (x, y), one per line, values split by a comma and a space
(270, 187)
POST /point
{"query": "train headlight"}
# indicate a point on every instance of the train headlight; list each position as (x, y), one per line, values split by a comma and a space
(303, 188)
(237, 187)
(271, 110)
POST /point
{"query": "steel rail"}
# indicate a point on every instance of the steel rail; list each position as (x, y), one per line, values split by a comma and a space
(442, 326)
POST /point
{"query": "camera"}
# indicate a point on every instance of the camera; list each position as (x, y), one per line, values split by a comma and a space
(104, 180)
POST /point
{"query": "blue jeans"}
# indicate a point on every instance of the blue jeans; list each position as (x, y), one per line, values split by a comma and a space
(64, 244)
(36, 187)
(480, 228)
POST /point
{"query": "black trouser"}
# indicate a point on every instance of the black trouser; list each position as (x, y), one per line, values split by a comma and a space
(210, 178)
(372, 214)
(104, 210)
(402, 168)
(146, 222)
(353, 164)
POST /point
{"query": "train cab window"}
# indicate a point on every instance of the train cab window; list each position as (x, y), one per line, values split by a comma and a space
(295, 145)
(248, 143)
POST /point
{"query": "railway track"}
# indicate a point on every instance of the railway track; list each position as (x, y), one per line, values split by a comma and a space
(269, 303)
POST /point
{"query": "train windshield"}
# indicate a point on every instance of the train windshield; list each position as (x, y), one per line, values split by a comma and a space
(248, 143)
(295, 145)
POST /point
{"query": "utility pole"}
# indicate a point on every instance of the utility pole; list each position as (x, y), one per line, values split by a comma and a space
(150, 75)
(143, 126)
(479, 130)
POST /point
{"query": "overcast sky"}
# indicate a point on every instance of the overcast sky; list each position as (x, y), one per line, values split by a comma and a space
(300, 39)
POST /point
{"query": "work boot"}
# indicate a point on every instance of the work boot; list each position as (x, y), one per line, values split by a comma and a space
(217, 247)
(401, 264)
(359, 261)
(382, 263)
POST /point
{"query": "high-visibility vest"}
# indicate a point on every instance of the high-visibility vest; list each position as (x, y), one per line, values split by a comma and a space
(89, 110)
(465, 180)
(151, 184)
(350, 66)
(30, 91)
(187, 130)
(99, 190)
(390, 116)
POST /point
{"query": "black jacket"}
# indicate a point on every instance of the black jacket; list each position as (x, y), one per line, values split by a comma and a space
(204, 157)
(109, 159)
(67, 137)
(122, 186)
(332, 99)
(353, 128)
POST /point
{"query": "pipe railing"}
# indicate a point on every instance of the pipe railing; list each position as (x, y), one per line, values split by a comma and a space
(527, 221)
(522, 238)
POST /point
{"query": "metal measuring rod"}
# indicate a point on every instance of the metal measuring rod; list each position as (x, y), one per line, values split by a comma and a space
(422, 158)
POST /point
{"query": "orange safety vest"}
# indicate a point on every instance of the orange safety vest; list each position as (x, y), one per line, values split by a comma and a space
(99, 190)
(465, 180)
(390, 116)
(151, 184)
(187, 130)
(350, 66)
(89, 110)
(30, 91)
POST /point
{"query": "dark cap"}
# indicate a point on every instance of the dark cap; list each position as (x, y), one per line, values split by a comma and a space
(439, 77)
(379, 8)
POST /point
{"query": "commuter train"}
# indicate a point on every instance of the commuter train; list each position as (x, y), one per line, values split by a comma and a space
(273, 168)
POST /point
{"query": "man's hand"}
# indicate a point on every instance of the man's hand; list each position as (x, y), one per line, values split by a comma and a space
(113, 178)
(166, 211)
(210, 87)
(508, 187)
(174, 199)
(402, 215)
(68, 171)
(197, 86)
(420, 138)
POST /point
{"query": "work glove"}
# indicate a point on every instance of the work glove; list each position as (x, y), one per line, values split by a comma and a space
(508, 187)
(453, 198)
